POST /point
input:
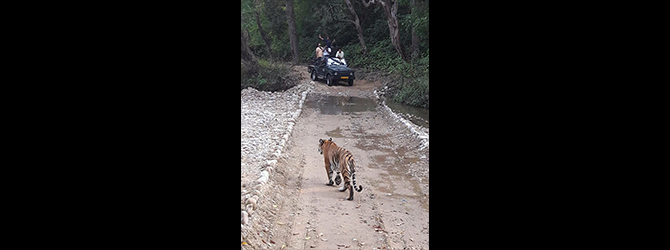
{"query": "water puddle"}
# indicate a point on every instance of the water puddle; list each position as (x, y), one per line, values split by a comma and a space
(395, 178)
(335, 105)
(416, 115)
(392, 164)
(336, 133)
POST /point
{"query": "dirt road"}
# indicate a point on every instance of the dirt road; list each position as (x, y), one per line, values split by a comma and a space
(391, 212)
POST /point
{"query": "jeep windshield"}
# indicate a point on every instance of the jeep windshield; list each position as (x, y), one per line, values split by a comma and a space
(336, 61)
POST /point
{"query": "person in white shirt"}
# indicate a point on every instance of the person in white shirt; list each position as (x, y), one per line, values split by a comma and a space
(326, 52)
(339, 54)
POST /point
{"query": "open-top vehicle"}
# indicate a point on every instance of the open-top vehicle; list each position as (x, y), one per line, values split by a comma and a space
(332, 69)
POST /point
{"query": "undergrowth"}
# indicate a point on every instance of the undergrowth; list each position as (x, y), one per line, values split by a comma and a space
(270, 76)
(408, 82)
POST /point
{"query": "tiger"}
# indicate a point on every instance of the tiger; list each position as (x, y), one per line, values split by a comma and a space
(336, 156)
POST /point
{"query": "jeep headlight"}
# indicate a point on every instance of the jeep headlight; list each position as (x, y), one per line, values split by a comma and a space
(335, 73)
(351, 74)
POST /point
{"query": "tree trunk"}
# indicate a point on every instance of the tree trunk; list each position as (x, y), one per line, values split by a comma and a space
(391, 10)
(247, 56)
(415, 38)
(293, 35)
(357, 23)
(415, 44)
(260, 29)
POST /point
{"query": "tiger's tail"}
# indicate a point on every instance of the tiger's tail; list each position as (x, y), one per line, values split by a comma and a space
(353, 175)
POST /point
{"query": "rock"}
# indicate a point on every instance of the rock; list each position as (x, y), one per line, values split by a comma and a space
(245, 217)
(264, 177)
(267, 119)
(251, 201)
(250, 209)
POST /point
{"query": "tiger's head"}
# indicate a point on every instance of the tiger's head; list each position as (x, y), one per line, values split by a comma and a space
(323, 144)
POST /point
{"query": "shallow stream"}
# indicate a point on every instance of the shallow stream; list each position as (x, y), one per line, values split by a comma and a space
(335, 105)
(416, 115)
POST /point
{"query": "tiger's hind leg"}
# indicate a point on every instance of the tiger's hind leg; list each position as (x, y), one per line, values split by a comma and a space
(347, 185)
(345, 175)
(338, 179)
(344, 185)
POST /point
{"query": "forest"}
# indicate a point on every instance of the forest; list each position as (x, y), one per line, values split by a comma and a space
(379, 37)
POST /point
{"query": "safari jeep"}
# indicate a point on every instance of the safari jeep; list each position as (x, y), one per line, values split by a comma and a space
(332, 69)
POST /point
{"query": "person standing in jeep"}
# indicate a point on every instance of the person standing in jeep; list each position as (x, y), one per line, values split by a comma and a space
(319, 53)
(327, 50)
(327, 40)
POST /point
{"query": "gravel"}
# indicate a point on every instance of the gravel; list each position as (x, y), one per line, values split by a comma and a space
(267, 119)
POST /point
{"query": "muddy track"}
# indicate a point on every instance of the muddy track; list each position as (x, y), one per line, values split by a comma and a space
(391, 212)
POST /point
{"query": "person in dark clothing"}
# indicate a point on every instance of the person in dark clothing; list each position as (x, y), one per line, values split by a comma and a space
(329, 43)
(327, 40)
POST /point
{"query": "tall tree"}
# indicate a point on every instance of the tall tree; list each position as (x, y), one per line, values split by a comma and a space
(260, 28)
(292, 32)
(415, 38)
(357, 23)
(391, 11)
(248, 58)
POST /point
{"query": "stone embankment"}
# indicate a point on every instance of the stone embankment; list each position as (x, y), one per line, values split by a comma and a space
(267, 119)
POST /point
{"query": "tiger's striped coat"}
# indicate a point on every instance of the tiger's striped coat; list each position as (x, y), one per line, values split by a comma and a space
(335, 157)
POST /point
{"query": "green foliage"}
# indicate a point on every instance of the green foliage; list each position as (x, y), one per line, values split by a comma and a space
(271, 76)
(411, 91)
(409, 80)
(329, 17)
